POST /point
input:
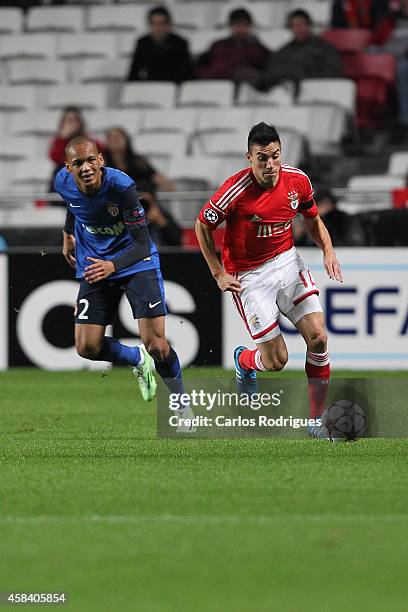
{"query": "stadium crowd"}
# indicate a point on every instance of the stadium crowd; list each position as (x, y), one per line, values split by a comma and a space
(365, 43)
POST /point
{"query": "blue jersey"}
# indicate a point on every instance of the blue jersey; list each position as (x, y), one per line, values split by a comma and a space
(102, 220)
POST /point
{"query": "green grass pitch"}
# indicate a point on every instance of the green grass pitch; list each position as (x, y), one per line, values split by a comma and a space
(92, 503)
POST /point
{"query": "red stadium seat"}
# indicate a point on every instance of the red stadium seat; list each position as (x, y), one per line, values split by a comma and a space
(374, 74)
(347, 41)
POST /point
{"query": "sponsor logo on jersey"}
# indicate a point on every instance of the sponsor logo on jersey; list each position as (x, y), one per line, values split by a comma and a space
(256, 218)
(113, 210)
(273, 229)
(210, 215)
(111, 230)
(293, 199)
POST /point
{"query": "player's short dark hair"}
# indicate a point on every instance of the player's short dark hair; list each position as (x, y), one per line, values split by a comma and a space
(238, 15)
(299, 13)
(161, 11)
(262, 134)
(79, 140)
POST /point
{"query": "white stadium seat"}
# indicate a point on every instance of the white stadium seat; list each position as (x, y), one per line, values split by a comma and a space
(375, 182)
(194, 16)
(84, 96)
(11, 20)
(21, 97)
(277, 96)
(15, 148)
(206, 92)
(275, 38)
(340, 92)
(223, 120)
(32, 174)
(152, 94)
(161, 145)
(117, 18)
(319, 11)
(25, 46)
(328, 125)
(221, 144)
(185, 168)
(102, 70)
(55, 19)
(295, 118)
(86, 46)
(35, 123)
(398, 164)
(169, 120)
(125, 44)
(201, 40)
(101, 120)
(265, 14)
(293, 147)
(34, 71)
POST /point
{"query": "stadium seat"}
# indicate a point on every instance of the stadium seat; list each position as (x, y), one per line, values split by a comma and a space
(28, 46)
(328, 125)
(206, 92)
(370, 192)
(11, 20)
(293, 147)
(276, 96)
(101, 120)
(169, 120)
(192, 170)
(102, 70)
(86, 46)
(160, 144)
(339, 92)
(152, 94)
(21, 97)
(398, 164)
(125, 44)
(295, 118)
(34, 123)
(201, 40)
(84, 96)
(223, 120)
(125, 18)
(55, 19)
(353, 40)
(320, 13)
(32, 175)
(375, 182)
(194, 16)
(218, 144)
(34, 71)
(13, 148)
(275, 38)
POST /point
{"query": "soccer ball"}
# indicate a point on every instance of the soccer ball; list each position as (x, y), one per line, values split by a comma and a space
(344, 420)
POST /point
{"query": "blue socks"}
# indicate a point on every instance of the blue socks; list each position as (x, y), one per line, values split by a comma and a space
(114, 351)
(170, 371)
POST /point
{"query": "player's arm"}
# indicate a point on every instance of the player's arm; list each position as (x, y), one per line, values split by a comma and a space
(225, 281)
(135, 222)
(68, 242)
(320, 236)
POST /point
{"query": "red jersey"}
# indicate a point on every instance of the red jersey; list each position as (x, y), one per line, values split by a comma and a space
(258, 220)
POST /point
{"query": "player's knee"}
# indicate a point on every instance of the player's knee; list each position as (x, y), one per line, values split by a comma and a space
(318, 342)
(87, 350)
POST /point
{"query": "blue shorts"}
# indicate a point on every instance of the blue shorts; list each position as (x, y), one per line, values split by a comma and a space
(97, 303)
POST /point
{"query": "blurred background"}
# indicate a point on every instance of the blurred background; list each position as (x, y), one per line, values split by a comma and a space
(170, 91)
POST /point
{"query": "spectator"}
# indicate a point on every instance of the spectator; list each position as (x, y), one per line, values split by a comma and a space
(364, 14)
(161, 55)
(306, 56)
(71, 124)
(120, 154)
(227, 58)
(335, 220)
(391, 36)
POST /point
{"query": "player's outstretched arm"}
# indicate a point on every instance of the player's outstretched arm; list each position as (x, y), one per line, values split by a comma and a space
(225, 281)
(319, 234)
(68, 248)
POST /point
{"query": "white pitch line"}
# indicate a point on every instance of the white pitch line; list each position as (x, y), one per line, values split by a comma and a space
(213, 519)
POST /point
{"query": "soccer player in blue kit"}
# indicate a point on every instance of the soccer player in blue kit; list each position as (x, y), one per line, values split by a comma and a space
(107, 242)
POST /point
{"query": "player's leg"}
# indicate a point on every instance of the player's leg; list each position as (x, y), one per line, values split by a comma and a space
(95, 307)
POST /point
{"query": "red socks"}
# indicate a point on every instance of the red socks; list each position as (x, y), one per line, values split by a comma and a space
(318, 372)
(251, 360)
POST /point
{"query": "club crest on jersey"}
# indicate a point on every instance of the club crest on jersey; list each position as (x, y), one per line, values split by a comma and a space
(293, 199)
(113, 210)
(253, 321)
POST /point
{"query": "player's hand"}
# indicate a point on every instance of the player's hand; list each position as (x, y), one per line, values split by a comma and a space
(68, 249)
(332, 266)
(227, 282)
(98, 270)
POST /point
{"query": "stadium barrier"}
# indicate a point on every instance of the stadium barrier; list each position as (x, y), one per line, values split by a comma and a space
(367, 317)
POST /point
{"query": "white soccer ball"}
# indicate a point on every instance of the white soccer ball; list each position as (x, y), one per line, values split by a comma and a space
(345, 420)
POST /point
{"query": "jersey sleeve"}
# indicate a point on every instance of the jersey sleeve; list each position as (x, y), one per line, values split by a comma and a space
(135, 221)
(219, 206)
(307, 205)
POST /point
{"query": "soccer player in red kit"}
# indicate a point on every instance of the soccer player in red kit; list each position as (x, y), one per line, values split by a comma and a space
(261, 267)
